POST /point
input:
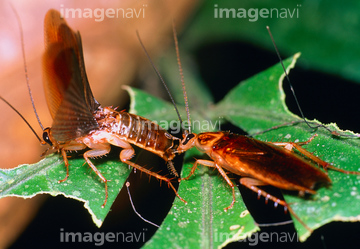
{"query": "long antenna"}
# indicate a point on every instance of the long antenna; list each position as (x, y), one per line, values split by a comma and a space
(181, 75)
(22, 118)
(293, 92)
(25, 67)
(160, 77)
(133, 207)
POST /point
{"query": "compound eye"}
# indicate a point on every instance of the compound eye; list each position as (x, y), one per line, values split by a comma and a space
(46, 137)
(188, 138)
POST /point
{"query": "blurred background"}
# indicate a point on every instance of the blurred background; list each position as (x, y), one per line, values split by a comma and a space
(223, 48)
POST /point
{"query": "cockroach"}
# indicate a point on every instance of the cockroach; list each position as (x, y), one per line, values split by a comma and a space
(263, 163)
(79, 121)
(259, 163)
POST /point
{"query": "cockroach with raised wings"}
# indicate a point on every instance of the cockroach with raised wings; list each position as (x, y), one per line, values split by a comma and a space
(79, 122)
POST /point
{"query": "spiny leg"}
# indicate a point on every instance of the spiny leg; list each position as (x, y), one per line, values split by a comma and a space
(171, 168)
(97, 150)
(128, 152)
(290, 145)
(160, 177)
(63, 153)
(251, 183)
(69, 147)
(209, 163)
(102, 150)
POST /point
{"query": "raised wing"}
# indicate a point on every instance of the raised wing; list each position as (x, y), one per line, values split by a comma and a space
(67, 90)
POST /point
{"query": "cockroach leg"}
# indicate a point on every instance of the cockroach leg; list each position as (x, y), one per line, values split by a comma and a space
(96, 151)
(209, 163)
(252, 184)
(101, 150)
(325, 165)
(92, 166)
(69, 147)
(128, 152)
(290, 145)
(322, 163)
(63, 153)
(160, 177)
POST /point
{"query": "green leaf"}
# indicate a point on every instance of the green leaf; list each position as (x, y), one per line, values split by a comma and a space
(203, 223)
(84, 185)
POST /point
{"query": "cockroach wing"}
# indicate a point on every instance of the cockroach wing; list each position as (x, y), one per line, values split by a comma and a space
(68, 94)
(269, 163)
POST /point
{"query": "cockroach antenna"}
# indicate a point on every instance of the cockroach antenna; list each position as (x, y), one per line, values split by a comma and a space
(32, 129)
(160, 77)
(311, 125)
(127, 184)
(281, 223)
(288, 79)
(170, 164)
(25, 66)
(181, 75)
(27, 81)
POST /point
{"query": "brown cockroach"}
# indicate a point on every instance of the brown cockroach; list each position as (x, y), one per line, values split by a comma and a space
(259, 163)
(262, 163)
(79, 122)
